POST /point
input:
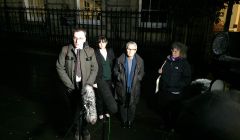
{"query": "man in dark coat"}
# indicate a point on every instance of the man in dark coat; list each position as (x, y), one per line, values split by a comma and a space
(128, 71)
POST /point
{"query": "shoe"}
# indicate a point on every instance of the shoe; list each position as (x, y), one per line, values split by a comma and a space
(76, 136)
(106, 118)
(100, 117)
(87, 137)
(124, 125)
(172, 130)
(107, 115)
(162, 127)
(130, 124)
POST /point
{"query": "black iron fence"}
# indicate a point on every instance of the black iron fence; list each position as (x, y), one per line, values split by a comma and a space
(156, 29)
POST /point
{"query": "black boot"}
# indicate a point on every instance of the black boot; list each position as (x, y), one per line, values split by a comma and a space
(124, 125)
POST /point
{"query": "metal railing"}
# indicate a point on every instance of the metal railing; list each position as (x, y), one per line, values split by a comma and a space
(55, 25)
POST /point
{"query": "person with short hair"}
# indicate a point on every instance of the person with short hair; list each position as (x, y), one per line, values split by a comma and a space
(128, 72)
(77, 69)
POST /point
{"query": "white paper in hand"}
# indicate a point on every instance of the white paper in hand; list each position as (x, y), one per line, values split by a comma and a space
(157, 84)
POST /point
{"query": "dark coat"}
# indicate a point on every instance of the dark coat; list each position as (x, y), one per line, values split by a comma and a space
(103, 88)
(176, 75)
(121, 81)
(99, 57)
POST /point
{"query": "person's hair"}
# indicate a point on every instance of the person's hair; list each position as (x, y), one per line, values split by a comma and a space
(131, 43)
(79, 30)
(102, 38)
(181, 47)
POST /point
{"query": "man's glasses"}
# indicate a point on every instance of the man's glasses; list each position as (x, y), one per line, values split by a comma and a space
(78, 38)
(131, 49)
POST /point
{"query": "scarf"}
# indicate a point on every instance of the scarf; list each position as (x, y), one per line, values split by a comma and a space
(174, 58)
(129, 75)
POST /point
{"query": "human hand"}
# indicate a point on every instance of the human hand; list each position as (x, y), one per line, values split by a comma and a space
(69, 90)
(95, 86)
(160, 71)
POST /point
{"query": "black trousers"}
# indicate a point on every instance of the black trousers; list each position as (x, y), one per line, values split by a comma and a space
(127, 111)
(105, 100)
(100, 103)
(80, 124)
(169, 107)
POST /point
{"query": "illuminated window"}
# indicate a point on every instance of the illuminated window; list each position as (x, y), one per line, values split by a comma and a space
(34, 3)
(92, 11)
(35, 15)
(89, 4)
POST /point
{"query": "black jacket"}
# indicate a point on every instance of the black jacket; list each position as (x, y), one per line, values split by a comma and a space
(110, 57)
(176, 75)
(121, 84)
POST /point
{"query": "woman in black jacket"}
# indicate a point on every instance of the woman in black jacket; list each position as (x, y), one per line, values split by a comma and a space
(105, 101)
(175, 77)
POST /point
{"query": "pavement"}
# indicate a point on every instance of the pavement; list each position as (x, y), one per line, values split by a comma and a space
(32, 106)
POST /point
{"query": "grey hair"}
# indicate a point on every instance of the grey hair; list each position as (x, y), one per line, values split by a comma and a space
(131, 43)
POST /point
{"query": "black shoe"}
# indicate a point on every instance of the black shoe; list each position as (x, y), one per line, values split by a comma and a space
(130, 124)
(87, 137)
(76, 136)
(124, 125)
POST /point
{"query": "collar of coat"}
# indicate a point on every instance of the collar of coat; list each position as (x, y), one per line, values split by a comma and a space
(122, 58)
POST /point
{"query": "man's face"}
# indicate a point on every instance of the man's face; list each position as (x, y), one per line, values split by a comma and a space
(131, 50)
(79, 38)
